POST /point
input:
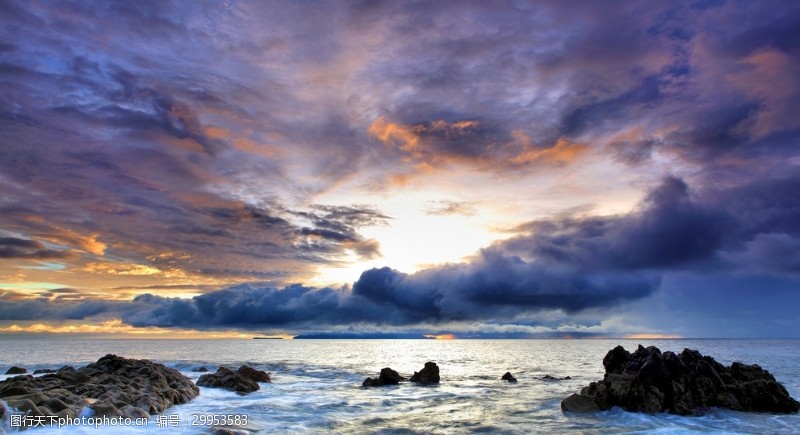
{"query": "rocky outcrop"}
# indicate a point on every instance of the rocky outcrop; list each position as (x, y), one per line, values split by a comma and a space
(508, 377)
(112, 386)
(16, 370)
(428, 375)
(244, 380)
(386, 377)
(687, 383)
(43, 371)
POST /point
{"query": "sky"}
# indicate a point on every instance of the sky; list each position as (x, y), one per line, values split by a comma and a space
(453, 168)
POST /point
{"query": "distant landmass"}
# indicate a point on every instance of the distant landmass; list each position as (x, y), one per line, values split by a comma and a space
(267, 338)
(359, 336)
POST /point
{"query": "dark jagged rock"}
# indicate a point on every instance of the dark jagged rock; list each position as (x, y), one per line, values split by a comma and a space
(685, 384)
(200, 370)
(244, 380)
(16, 370)
(508, 377)
(428, 375)
(386, 377)
(43, 371)
(112, 386)
(553, 378)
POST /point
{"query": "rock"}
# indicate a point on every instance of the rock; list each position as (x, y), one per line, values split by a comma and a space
(386, 377)
(428, 375)
(579, 403)
(508, 377)
(553, 378)
(43, 371)
(253, 374)
(244, 380)
(112, 386)
(685, 384)
(16, 370)
(200, 370)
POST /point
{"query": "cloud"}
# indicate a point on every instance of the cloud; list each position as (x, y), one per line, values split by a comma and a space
(443, 208)
(12, 247)
(132, 156)
(473, 142)
(670, 230)
(570, 266)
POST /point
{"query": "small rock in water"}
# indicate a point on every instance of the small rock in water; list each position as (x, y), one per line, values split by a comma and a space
(685, 384)
(386, 377)
(200, 370)
(42, 371)
(16, 370)
(428, 375)
(508, 377)
(553, 378)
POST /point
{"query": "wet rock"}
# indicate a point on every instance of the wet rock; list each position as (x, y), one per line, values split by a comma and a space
(16, 370)
(686, 384)
(43, 371)
(111, 386)
(244, 380)
(386, 377)
(553, 378)
(253, 374)
(200, 370)
(508, 377)
(428, 375)
(579, 403)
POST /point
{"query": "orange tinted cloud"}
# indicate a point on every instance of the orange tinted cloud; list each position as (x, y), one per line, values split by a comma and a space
(117, 327)
(563, 151)
(130, 269)
(470, 142)
(404, 137)
(87, 243)
(441, 336)
(216, 132)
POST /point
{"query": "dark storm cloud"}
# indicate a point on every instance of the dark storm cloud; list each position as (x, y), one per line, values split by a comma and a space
(671, 230)
(12, 247)
(571, 265)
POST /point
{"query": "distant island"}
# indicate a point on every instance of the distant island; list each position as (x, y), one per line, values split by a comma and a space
(267, 338)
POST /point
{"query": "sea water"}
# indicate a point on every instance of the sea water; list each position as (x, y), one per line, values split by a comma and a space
(316, 385)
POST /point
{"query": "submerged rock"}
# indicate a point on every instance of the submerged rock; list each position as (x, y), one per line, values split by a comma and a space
(386, 377)
(243, 380)
(508, 377)
(553, 378)
(16, 370)
(43, 371)
(428, 375)
(112, 386)
(686, 384)
(200, 370)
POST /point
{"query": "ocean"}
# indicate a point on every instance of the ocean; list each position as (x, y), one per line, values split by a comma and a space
(317, 384)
